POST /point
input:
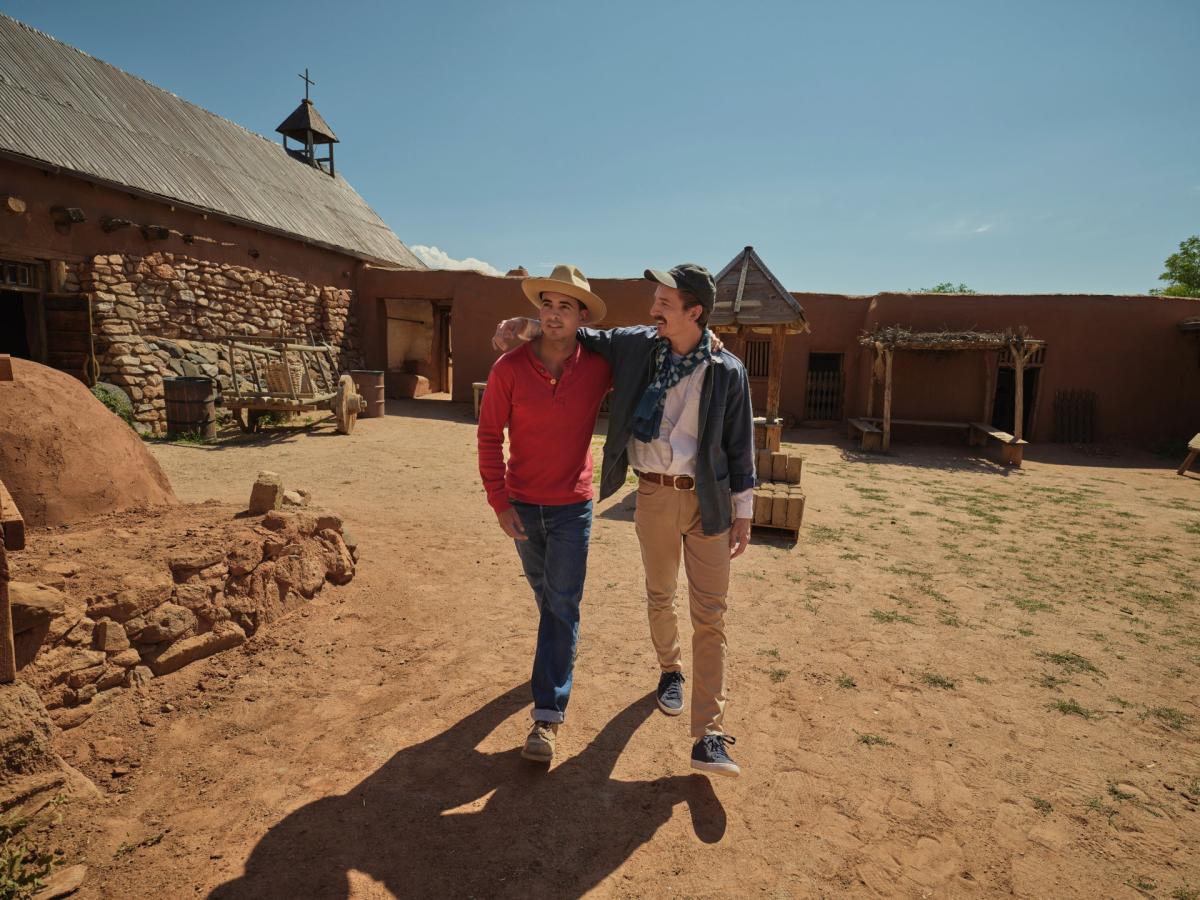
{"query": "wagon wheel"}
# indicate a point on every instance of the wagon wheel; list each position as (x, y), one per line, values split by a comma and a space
(247, 420)
(346, 405)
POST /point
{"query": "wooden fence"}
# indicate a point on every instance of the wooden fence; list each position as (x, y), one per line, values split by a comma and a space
(1074, 417)
(823, 397)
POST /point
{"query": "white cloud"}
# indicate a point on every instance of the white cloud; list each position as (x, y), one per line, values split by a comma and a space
(436, 258)
(982, 228)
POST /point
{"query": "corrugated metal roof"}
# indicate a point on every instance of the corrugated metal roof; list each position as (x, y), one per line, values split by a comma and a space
(60, 106)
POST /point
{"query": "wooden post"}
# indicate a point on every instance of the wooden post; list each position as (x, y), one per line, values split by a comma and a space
(887, 399)
(775, 376)
(871, 382)
(1019, 414)
(8, 653)
(986, 418)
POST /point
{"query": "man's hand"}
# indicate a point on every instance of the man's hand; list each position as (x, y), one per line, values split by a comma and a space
(512, 332)
(510, 521)
(739, 537)
(717, 344)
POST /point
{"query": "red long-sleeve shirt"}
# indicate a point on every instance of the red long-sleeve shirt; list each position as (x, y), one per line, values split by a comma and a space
(550, 422)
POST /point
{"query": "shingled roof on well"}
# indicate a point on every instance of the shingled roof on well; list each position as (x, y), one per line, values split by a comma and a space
(60, 106)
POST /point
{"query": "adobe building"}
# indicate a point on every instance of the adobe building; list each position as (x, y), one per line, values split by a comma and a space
(137, 229)
(1113, 367)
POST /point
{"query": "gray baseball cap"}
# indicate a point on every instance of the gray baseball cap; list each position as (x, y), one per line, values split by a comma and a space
(690, 277)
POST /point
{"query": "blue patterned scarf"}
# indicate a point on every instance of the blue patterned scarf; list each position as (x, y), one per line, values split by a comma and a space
(668, 372)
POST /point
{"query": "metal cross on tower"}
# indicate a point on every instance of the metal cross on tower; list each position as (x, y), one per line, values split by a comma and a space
(307, 82)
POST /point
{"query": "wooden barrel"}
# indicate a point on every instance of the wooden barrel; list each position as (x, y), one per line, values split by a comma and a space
(370, 385)
(191, 406)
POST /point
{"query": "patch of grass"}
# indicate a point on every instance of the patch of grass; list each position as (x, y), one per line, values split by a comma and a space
(1173, 718)
(1142, 883)
(1192, 527)
(773, 653)
(845, 681)
(1072, 708)
(1095, 804)
(1045, 807)
(778, 675)
(823, 534)
(23, 868)
(1029, 604)
(1124, 704)
(890, 615)
(1070, 662)
(850, 555)
(1118, 794)
(874, 740)
(939, 681)
(948, 618)
(1185, 893)
(1051, 682)
(150, 841)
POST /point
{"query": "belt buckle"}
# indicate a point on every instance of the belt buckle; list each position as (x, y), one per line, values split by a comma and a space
(675, 482)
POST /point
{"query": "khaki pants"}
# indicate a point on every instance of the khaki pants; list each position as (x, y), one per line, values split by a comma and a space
(668, 522)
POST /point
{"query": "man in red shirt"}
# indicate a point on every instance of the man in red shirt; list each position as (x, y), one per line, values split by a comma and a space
(548, 393)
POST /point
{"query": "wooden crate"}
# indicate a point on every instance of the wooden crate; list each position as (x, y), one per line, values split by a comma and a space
(778, 498)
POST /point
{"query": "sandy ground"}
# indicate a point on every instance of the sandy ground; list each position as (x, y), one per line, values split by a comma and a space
(963, 681)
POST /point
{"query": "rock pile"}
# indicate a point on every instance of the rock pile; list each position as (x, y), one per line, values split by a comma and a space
(210, 596)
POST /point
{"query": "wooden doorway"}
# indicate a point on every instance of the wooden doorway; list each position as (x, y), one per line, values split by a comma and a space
(825, 388)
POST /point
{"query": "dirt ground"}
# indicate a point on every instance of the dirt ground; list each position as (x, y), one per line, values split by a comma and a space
(962, 681)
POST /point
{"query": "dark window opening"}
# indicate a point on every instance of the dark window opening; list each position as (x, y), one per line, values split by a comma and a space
(758, 358)
(1004, 411)
(14, 330)
(824, 362)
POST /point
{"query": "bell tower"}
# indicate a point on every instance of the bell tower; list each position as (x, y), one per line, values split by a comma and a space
(306, 126)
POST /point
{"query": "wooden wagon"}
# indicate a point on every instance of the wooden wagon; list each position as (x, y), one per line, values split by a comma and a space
(284, 375)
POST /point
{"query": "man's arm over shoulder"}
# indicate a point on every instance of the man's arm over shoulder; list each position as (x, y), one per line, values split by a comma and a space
(739, 426)
(494, 414)
(614, 343)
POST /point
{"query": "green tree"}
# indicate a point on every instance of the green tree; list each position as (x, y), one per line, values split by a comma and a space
(1182, 271)
(946, 287)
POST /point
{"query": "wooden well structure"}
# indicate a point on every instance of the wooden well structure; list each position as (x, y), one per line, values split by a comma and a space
(751, 300)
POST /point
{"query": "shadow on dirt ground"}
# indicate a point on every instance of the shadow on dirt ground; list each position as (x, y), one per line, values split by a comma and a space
(443, 819)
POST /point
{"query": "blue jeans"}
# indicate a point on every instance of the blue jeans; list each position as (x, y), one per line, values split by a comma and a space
(555, 562)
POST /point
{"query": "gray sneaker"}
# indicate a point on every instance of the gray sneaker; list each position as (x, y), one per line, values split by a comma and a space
(539, 746)
(670, 693)
(709, 755)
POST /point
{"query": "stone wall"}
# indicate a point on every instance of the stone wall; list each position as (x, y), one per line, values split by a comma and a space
(164, 314)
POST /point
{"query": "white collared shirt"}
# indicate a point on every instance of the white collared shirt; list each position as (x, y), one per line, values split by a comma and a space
(674, 451)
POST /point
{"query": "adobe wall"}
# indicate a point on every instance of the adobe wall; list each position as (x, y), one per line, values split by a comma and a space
(1128, 350)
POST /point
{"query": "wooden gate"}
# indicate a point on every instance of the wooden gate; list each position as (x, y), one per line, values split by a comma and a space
(823, 396)
(1074, 417)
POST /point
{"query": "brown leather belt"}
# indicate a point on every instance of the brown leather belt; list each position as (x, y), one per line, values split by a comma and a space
(679, 482)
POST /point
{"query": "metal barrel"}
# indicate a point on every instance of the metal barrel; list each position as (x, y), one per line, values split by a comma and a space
(370, 385)
(191, 406)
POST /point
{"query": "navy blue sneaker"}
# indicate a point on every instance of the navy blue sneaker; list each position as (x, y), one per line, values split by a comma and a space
(670, 693)
(708, 755)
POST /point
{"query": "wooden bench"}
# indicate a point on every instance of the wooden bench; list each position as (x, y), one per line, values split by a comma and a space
(1193, 452)
(872, 436)
(1012, 451)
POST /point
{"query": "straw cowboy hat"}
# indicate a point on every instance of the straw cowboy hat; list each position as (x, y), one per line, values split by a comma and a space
(570, 281)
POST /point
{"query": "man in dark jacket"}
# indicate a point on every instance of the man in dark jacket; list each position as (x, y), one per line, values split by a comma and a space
(680, 415)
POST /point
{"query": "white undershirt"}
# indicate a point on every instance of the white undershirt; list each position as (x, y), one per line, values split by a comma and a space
(674, 451)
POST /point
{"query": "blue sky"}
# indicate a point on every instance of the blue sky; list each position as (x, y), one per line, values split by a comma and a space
(859, 146)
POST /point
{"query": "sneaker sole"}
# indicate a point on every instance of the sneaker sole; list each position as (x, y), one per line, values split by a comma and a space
(525, 754)
(729, 770)
(667, 709)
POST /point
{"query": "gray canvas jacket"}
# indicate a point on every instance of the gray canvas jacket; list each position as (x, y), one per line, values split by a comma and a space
(725, 457)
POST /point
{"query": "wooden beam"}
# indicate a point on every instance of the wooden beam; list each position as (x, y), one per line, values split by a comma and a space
(12, 523)
(887, 400)
(1019, 413)
(871, 381)
(775, 375)
(987, 388)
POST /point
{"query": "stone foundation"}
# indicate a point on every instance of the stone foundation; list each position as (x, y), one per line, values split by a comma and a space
(165, 314)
